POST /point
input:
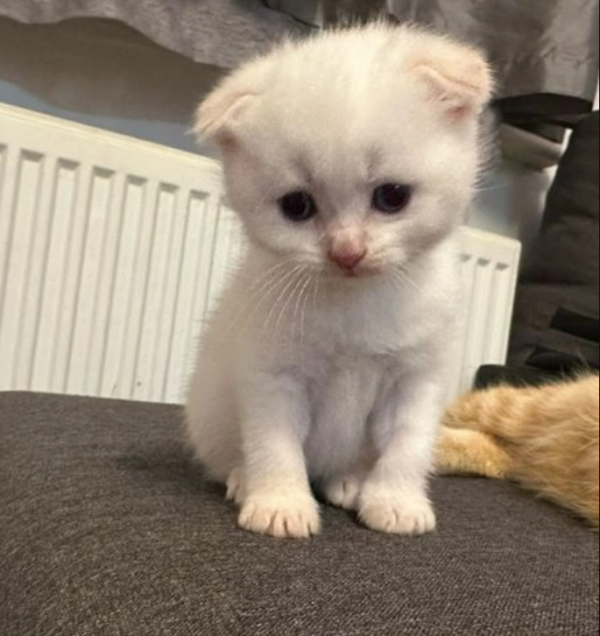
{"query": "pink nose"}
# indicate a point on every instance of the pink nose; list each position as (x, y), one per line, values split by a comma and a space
(348, 259)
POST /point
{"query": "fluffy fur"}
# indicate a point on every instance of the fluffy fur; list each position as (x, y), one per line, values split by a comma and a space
(546, 439)
(309, 372)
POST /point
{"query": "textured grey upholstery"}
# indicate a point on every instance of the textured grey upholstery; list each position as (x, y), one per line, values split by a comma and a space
(556, 325)
(107, 529)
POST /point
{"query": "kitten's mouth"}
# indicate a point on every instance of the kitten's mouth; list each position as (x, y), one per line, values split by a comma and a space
(359, 273)
(351, 274)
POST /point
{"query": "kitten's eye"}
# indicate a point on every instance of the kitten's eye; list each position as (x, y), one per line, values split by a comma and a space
(298, 207)
(392, 198)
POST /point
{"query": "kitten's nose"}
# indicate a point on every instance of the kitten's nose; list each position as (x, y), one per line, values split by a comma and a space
(348, 258)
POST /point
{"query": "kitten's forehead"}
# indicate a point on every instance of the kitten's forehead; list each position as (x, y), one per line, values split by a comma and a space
(341, 114)
(345, 112)
(343, 139)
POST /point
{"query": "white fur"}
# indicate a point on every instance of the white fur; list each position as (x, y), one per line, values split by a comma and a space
(306, 375)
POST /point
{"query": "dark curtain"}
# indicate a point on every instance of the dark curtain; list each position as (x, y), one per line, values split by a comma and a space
(221, 33)
(545, 51)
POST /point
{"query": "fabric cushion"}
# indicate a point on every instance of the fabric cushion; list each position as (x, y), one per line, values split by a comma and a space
(556, 325)
(108, 529)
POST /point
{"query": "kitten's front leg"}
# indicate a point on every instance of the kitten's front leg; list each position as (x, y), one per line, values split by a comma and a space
(277, 496)
(395, 497)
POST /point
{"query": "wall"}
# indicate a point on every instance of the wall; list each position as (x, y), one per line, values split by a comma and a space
(103, 74)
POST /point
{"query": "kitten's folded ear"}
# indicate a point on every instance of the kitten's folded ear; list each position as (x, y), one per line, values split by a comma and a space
(219, 113)
(459, 77)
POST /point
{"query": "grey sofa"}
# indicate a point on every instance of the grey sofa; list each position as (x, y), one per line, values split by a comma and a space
(107, 528)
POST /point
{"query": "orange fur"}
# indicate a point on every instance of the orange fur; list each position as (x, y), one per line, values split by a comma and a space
(546, 439)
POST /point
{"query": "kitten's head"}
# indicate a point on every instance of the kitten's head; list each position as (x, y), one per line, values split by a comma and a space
(353, 152)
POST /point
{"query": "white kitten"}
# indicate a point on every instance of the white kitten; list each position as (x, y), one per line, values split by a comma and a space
(351, 159)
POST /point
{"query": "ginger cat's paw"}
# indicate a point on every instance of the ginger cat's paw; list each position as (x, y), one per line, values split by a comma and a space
(468, 452)
(397, 514)
(281, 516)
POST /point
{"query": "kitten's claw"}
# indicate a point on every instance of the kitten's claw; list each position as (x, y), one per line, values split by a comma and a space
(236, 488)
(344, 492)
(281, 516)
(400, 515)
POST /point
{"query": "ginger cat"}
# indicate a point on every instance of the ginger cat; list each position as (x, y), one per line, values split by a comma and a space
(546, 439)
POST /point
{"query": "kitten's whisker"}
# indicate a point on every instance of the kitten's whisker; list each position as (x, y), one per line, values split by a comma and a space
(404, 277)
(264, 284)
(291, 281)
(316, 290)
(316, 280)
(299, 288)
(290, 298)
(275, 284)
(264, 281)
(304, 296)
(397, 283)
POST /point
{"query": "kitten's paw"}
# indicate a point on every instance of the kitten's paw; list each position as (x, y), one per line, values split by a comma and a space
(344, 492)
(236, 487)
(407, 515)
(281, 516)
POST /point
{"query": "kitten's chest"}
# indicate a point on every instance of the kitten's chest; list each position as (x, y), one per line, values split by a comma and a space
(343, 400)
(372, 330)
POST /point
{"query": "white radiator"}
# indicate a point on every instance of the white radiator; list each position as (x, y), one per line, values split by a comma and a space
(112, 250)
(490, 271)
